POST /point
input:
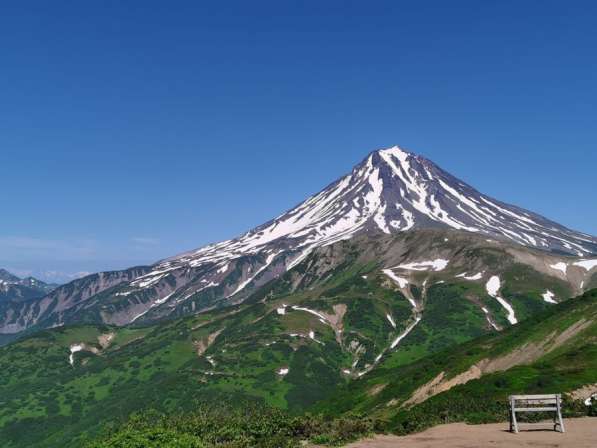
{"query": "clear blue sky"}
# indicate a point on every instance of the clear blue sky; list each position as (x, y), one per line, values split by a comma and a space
(131, 131)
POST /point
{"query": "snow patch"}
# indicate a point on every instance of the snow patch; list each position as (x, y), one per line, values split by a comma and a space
(315, 313)
(240, 287)
(437, 265)
(402, 282)
(74, 349)
(560, 266)
(405, 332)
(126, 293)
(163, 299)
(477, 276)
(587, 265)
(549, 296)
(493, 286)
(486, 311)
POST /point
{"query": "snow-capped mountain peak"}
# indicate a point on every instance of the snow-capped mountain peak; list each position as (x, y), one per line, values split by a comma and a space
(390, 191)
(393, 190)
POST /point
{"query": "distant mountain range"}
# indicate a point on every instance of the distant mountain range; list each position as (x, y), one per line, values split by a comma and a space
(13, 288)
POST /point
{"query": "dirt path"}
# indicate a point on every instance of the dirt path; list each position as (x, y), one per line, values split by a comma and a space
(580, 433)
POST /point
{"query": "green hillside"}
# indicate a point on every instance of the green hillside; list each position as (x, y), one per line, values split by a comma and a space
(553, 352)
(232, 353)
(300, 343)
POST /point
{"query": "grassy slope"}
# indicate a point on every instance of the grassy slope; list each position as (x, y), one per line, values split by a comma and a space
(159, 366)
(477, 401)
(564, 369)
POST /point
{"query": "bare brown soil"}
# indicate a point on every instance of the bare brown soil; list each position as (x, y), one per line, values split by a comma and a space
(580, 433)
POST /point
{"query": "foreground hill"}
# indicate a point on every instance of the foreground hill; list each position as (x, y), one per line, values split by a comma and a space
(552, 352)
(390, 192)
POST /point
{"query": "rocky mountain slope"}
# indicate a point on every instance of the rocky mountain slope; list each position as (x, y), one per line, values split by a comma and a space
(391, 192)
(19, 316)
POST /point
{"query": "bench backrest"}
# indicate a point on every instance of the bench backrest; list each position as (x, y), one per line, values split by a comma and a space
(525, 400)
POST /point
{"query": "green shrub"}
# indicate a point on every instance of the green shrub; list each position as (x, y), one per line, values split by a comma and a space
(224, 426)
(157, 437)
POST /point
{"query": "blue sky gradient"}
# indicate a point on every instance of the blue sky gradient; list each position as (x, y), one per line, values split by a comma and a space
(131, 131)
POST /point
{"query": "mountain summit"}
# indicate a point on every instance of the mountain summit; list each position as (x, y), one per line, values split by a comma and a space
(392, 192)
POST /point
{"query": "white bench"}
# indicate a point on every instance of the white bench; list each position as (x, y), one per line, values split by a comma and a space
(536, 403)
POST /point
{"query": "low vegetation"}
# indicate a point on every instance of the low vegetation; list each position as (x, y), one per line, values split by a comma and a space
(219, 426)
(247, 426)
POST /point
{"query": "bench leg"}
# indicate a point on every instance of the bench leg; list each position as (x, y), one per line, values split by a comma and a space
(514, 423)
(561, 421)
